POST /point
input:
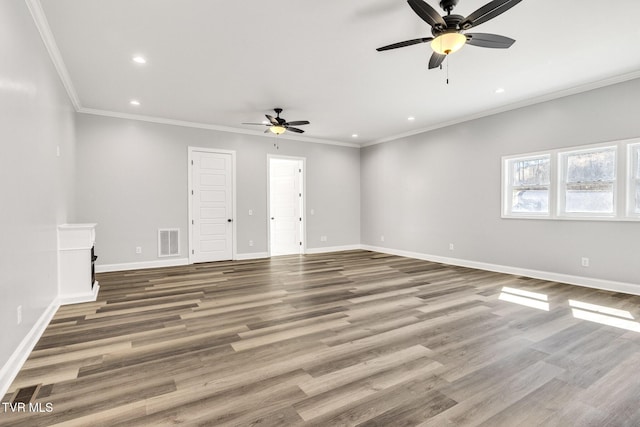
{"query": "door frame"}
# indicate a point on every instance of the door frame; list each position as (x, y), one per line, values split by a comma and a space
(191, 150)
(303, 233)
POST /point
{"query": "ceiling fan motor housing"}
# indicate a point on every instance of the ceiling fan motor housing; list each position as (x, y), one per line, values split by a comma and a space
(453, 25)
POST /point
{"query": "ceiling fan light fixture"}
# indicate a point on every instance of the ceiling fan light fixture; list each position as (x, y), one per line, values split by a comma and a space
(277, 129)
(448, 43)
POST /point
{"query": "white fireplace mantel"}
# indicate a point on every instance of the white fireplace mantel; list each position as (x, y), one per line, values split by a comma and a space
(75, 242)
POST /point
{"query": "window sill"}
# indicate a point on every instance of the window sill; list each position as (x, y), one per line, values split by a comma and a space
(573, 218)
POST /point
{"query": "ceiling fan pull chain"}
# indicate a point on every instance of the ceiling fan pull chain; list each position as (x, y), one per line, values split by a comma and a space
(447, 69)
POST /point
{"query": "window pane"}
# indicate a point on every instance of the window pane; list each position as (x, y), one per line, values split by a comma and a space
(590, 198)
(530, 200)
(636, 176)
(592, 166)
(530, 172)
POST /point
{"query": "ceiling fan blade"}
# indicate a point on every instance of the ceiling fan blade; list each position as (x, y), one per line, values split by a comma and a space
(436, 60)
(296, 130)
(299, 123)
(272, 119)
(489, 40)
(427, 13)
(487, 12)
(267, 131)
(405, 43)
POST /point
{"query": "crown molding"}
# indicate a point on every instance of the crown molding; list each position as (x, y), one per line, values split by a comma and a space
(183, 123)
(514, 106)
(39, 18)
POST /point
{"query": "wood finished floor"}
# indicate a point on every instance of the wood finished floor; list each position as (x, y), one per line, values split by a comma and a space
(350, 338)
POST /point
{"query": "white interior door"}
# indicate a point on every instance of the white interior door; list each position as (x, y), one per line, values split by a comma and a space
(285, 206)
(211, 236)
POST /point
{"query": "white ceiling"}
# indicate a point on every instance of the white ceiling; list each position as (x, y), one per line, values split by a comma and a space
(220, 63)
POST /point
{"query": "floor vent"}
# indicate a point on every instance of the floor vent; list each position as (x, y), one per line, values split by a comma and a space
(168, 242)
(26, 395)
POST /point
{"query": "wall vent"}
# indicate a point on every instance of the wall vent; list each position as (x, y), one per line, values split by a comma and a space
(168, 242)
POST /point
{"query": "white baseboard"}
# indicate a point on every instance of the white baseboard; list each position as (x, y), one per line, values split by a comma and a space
(14, 364)
(253, 255)
(78, 298)
(333, 249)
(606, 285)
(174, 262)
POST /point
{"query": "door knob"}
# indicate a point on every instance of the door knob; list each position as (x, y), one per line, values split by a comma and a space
(229, 220)
(272, 218)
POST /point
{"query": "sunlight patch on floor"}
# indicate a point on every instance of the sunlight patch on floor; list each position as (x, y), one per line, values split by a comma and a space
(526, 298)
(603, 315)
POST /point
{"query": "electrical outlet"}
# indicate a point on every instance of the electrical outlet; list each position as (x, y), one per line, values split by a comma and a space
(451, 247)
(323, 238)
(250, 211)
(58, 151)
(19, 314)
(138, 249)
(585, 262)
(250, 242)
(382, 238)
(312, 212)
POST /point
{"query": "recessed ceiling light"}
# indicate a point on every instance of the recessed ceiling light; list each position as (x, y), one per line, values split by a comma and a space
(411, 118)
(500, 90)
(139, 59)
(134, 102)
(355, 135)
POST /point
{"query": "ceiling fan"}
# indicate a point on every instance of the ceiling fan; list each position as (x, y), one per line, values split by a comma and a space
(447, 30)
(279, 125)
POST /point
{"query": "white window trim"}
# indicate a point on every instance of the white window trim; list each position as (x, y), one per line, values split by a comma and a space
(624, 187)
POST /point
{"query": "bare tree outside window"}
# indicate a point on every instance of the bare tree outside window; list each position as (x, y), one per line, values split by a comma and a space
(590, 181)
(530, 185)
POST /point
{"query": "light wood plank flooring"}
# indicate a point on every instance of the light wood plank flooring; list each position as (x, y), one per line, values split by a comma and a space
(350, 338)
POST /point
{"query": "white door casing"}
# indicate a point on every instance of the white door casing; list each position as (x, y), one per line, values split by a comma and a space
(211, 205)
(286, 200)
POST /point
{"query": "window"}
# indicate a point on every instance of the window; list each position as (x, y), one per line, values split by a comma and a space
(528, 185)
(634, 179)
(592, 182)
(589, 181)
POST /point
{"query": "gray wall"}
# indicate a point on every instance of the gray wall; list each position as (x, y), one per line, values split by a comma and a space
(36, 186)
(426, 191)
(132, 180)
